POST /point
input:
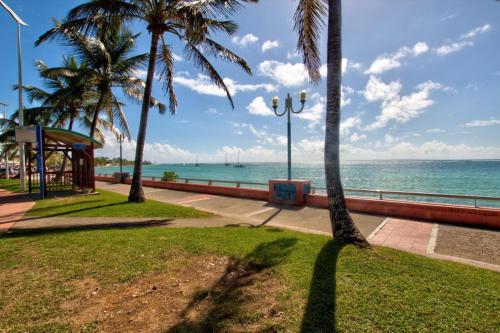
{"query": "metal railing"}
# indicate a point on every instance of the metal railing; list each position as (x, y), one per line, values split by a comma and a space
(236, 183)
(380, 194)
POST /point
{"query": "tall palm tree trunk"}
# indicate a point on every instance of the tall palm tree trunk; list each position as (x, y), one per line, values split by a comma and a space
(136, 193)
(98, 107)
(344, 229)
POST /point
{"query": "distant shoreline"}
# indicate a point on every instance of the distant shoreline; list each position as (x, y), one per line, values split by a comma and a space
(312, 163)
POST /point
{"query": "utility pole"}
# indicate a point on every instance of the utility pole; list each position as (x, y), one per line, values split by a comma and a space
(5, 149)
(22, 167)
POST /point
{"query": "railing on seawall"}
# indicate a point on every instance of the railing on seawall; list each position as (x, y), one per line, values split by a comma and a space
(384, 194)
(467, 200)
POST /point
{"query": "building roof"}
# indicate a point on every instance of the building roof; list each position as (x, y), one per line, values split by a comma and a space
(70, 137)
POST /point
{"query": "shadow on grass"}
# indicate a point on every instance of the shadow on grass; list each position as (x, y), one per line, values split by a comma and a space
(225, 300)
(30, 218)
(38, 231)
(319, 315)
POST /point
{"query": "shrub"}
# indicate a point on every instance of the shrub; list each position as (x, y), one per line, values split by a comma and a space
(169, 176)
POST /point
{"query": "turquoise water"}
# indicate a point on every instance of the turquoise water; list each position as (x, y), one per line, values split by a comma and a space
(452, 177)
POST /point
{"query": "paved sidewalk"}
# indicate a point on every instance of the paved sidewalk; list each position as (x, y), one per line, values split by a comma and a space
(253, 212)
(12, 209)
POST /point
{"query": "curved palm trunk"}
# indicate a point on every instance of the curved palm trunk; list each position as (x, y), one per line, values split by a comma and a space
(136, 193)
(70, 127)
(344, 229)
(96, 114)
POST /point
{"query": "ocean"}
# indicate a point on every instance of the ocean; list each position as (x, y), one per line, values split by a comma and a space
(476, 177)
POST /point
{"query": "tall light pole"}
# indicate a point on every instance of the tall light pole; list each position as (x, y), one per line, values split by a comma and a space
(288, 111)
(22, 167)
(5, 150)
(121, 138)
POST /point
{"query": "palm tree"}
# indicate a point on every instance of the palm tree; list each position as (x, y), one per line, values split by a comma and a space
(108, 66)
(309, 18)
(192, 22)
(70, 94)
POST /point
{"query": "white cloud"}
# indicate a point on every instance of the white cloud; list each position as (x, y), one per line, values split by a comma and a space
(389, 139)
(395, 107)
(448, 17)
(177, 57)
(245, 40)
(286, 74)
(214, 111)
(483, 123)
(355, 137)
(376, 90)
(314, 110)
(435, 130)
(269, 44)
(420, 48)
(202, 85)
(304, 150)
(259, 107)
(347, 125)
(156, 152)
(292, 54)
(465, 40)
(477, 31)
(428, 150)
(385, 63)
(347, 65)
(453, 47)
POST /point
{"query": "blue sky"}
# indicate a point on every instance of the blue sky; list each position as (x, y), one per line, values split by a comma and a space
(422, 80)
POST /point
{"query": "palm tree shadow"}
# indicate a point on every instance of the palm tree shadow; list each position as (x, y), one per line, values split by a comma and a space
(319, 315)
(226, 298)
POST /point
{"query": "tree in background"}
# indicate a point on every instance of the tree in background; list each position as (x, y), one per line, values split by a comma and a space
(191, 22)
(109, 65)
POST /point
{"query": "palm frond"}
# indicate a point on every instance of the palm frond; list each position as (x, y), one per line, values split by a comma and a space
(309, 20)
(207, 68)
(167, 75)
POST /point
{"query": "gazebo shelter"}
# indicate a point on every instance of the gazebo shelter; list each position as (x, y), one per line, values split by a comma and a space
(78, 150)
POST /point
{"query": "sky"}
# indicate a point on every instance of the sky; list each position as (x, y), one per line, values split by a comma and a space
(421, 80)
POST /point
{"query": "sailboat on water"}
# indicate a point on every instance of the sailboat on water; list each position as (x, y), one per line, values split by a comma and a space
(197, 164)
(239, 165)
(226, 163)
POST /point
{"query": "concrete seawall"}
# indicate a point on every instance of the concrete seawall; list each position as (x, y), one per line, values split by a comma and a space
(454, 214)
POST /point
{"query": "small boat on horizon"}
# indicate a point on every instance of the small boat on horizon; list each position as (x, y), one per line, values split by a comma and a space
(239, 165)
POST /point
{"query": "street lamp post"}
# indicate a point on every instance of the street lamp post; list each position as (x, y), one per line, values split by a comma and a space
(288, 111)
(121, 138)
(5, 150)
(22, 167)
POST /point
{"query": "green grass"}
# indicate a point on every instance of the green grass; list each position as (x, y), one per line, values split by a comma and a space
(102, 204)
(326, 286)
(109, 204)
(10, 184)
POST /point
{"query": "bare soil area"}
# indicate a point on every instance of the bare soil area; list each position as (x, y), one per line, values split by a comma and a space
(211, 294)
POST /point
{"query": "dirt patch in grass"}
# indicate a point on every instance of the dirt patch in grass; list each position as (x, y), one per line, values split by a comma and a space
(209, 294)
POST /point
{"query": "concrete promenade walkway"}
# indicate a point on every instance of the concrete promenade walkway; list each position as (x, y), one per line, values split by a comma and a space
(479, 247)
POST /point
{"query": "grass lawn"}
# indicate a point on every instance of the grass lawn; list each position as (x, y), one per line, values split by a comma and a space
(10, 184)
(103, 204)
(232, 279)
